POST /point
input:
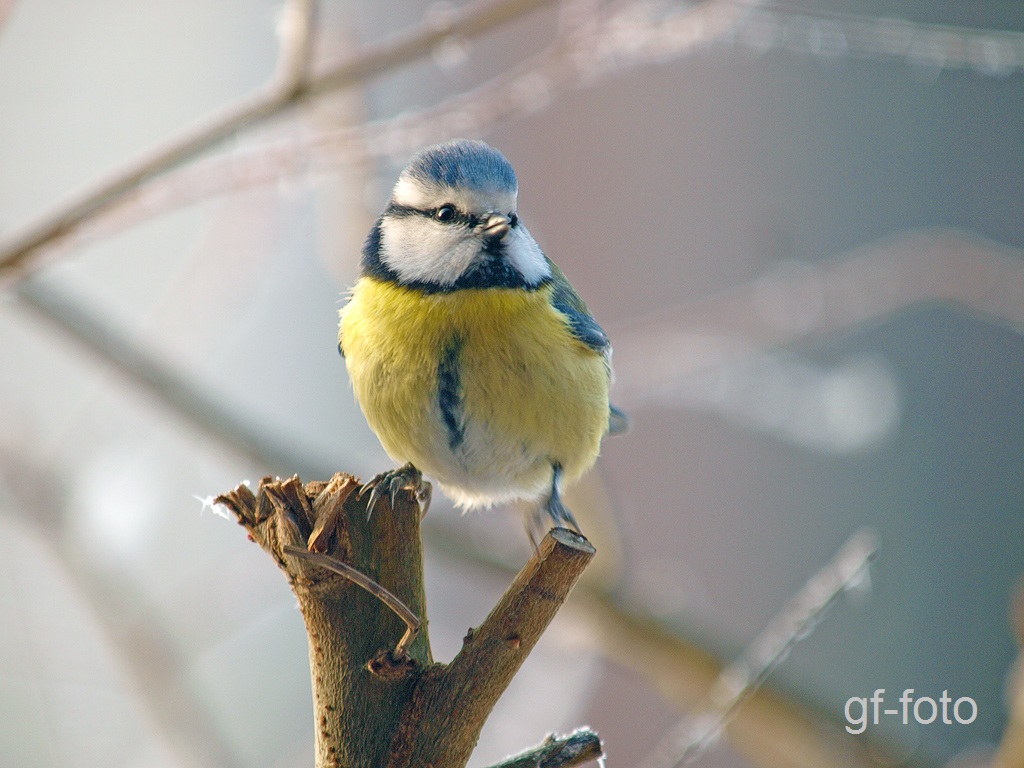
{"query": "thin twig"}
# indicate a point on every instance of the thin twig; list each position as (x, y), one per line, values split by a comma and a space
(610, 42)
(654, 356)
(6, 6)
(97, 334)
(737, 682)
(990, 52)
(20, 249)
(578, 748)
(132, 627)
(771, 729)
(800, 302)
(411, 620)
(613, 41)
(297, 27)
(807, 31)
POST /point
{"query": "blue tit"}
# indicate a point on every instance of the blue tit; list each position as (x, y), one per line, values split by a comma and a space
(471, 355)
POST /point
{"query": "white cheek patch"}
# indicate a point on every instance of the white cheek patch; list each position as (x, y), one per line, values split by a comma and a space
(525, 255)
(422, 250)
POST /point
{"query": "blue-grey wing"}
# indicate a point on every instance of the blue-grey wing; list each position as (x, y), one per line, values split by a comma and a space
(585, 328)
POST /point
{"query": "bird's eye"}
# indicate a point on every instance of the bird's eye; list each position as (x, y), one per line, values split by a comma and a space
(445, 213)
(513, 220)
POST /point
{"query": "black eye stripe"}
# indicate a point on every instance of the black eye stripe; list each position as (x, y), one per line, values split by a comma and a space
(398, 211)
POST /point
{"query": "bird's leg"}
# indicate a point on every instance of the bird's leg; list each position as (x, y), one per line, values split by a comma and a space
(533, 519)
(556, 510)
(404, 478)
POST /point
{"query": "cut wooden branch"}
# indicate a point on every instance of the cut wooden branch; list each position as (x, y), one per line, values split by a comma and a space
(373, 707)
(451, 703)
(356, 709)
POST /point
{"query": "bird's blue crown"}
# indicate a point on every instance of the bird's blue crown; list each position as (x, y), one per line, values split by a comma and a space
(464, 164)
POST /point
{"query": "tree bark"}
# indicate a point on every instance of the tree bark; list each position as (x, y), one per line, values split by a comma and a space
(374, 708)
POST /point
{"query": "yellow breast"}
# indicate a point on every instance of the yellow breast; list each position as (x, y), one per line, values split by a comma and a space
(526, 392)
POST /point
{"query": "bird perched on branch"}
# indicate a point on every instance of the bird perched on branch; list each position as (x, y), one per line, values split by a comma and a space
(471, 355)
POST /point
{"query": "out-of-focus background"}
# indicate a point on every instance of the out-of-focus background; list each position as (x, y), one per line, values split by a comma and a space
(800, 224)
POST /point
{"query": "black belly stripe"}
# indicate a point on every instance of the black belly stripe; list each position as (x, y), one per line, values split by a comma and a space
(449, 399)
